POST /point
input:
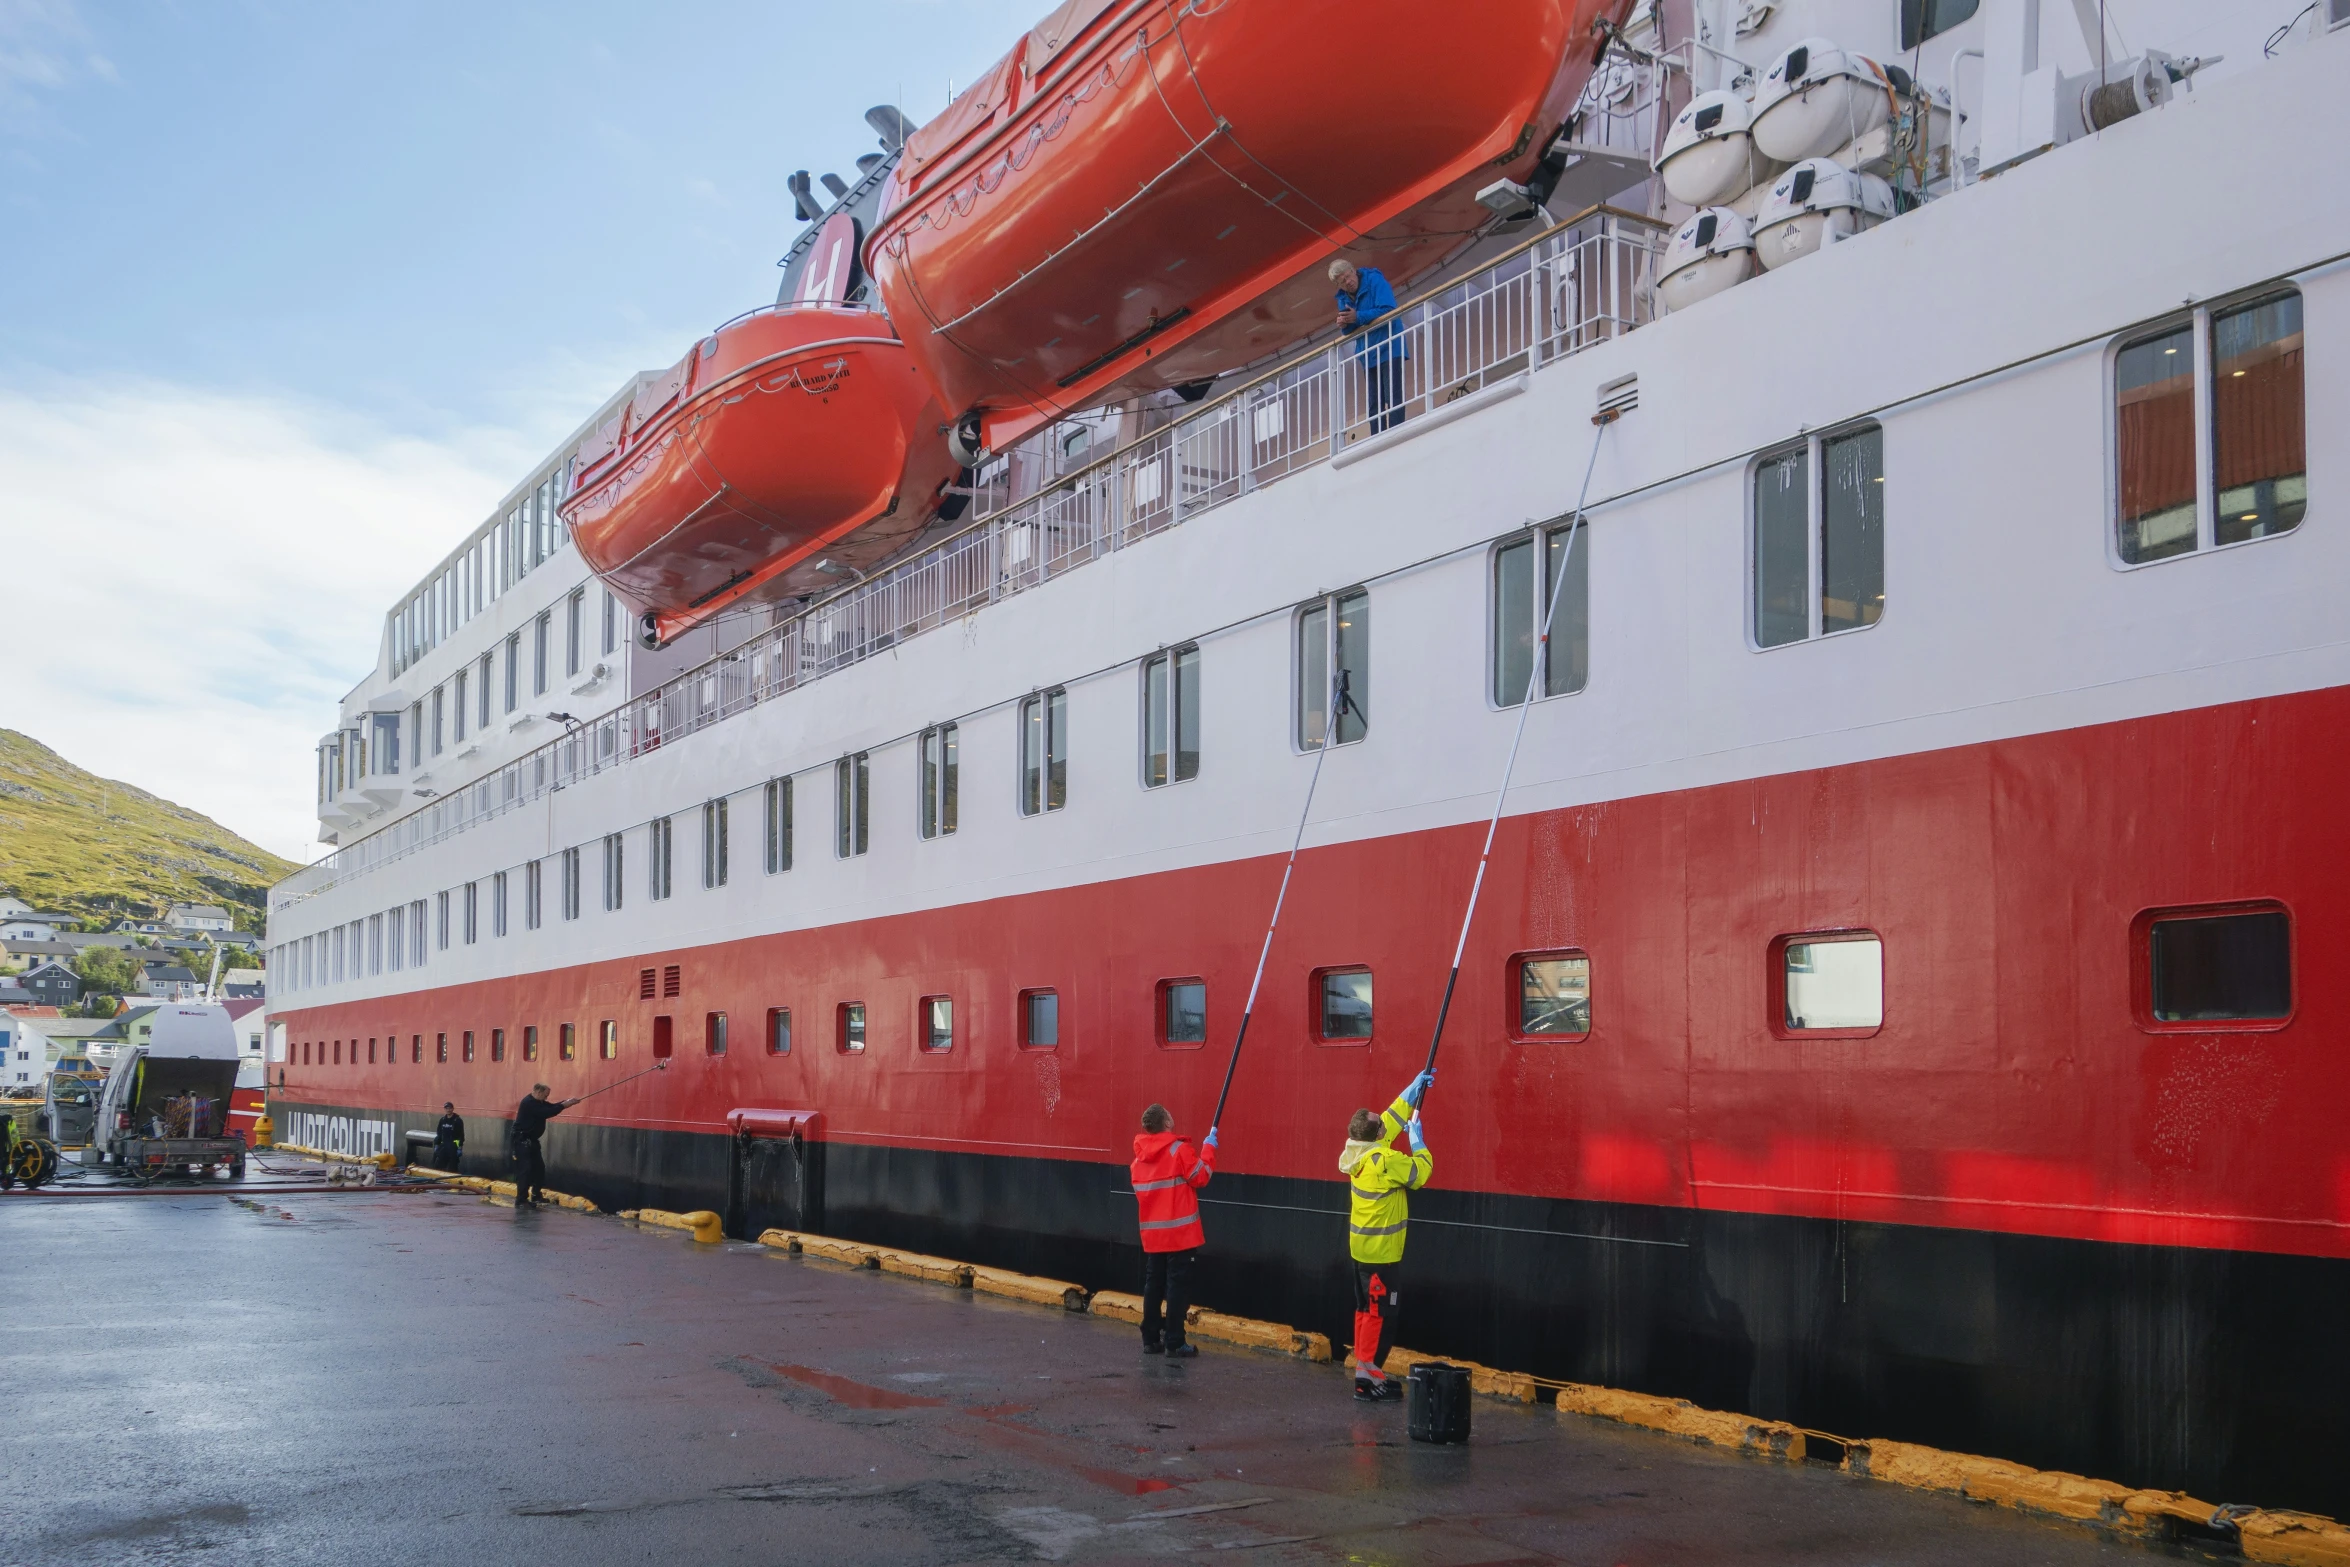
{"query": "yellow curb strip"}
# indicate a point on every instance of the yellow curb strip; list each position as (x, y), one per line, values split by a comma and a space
(931, 1270)
(1217, 1327)
(704, 1224)
(1022, 1286)
(381, 1161)
(2294, 1539)
(1679, 1417)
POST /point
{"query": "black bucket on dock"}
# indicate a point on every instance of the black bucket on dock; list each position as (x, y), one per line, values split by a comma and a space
(1436, 1402)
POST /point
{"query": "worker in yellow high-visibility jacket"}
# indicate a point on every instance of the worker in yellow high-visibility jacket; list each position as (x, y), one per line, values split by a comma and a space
(1377, 1214)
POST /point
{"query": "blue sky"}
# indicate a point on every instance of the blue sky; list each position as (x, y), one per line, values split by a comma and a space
(289, 295)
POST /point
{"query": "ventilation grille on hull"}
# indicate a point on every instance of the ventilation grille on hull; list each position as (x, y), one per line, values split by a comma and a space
(671, 980)
(644, 985)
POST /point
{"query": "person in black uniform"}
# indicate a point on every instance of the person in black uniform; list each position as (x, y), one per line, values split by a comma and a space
(530, 1124)
(7, 1153)
(448, 1139)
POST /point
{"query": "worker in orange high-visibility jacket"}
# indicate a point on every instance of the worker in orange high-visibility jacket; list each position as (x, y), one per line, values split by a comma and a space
(1167, 1177)
(1378, 1214)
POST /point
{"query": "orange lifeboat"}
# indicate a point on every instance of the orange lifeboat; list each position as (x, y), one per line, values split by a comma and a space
(789, 450)
(1140, 194)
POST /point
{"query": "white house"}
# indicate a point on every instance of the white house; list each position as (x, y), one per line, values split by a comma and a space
(9, 905)
(199, 916)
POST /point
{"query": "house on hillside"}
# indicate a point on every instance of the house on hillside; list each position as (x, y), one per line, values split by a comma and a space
(199, 916)
(30, 926)
(9, 905)
(251, 1018)
(127, 926)
(53, 984)
(30, 953)
(83, 941)
(167, 981)
(13, 994)
(245, 984)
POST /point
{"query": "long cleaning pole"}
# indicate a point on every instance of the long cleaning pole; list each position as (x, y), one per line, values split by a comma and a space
(1340, 701)
(1533, 678)
(658, 1066)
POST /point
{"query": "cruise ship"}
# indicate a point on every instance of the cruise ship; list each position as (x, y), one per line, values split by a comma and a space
(1897, 997)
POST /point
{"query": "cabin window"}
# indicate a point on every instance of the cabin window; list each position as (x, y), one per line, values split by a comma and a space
(1817, 535)
(1342, 998)
(2223, 965)
(534, 904)
(468, 1046)
(457, 709)
(567, 1042)
(849, 1028)
(937, 1022)
(574, 645)
(482, 688)
(497, 1045)
(416, 1050)
(1520, 601)
(614, 858)
(852, 780)
(714, 843)
(1040, 1019)
(658, 840)
(440, 1049)
(714, 1033)
(776, 813)
(941, 780)
(538, 653)
(1170, 717)
(370, 1052)
(1334, 663)
(530, 1042)
(439, 720)
(513, 671)
(779, 1031)
(1924, 19)
(472, 901)
(609, 636)
(608, 1042)
(1183, 1013)
(2236, 472)
(1832, 983)
(441, 920)
(1044, 752)
(664, 1037)
(571, 884)
(1552, 995)
(498, 903)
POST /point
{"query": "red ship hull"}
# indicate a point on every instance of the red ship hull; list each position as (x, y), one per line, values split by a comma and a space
(1975, 1226)
(795, 434)
(1141, 194)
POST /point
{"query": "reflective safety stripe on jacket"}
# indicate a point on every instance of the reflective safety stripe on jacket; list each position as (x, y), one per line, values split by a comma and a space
(1378, 1212)
(1167, 1170)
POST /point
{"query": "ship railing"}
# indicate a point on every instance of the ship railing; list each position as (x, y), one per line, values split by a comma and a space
(1578, 284)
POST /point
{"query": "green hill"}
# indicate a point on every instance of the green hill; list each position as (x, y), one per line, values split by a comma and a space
(76, 843)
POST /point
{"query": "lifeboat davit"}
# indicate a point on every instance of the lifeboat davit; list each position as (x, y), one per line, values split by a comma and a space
(790, 450)
(1143, 192)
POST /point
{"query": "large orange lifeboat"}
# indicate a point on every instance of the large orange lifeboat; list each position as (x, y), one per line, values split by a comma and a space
(790, 450)
(1141, 193)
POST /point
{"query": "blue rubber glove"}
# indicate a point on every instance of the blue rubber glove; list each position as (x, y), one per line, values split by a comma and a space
(1210, 1141)
(1417, 1089)
(1412, 1130)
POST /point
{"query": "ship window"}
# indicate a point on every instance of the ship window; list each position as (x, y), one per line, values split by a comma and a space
(1924, 19)
(571, 884)
(370, 1052)
(567, 1042)
(1520, 603)
(614, 857)
(714, 843)
(852, 779)
(416, 1050)
(609, 639)
(938, 1023)
(538, 653)
(1830, 983)
(658, 839)
(1183, 1013)
(849, 1028)
(664, 1037)
(439, 726)
(457, 711)
(513, 671)
(1170, 717)
(2241, 474)
(440, 1049)
(468, 1046)
(941, 780)
(534, 902)
(530, 1042)
(574, 644)
(1553, 995)
(472, 901)
(1334, 658)
(608, 1041)
(779, 1031)
(1343, 1004)
(498, 903)
(777, 814)
(1817, 535)
(2226, 965)
(482, 710)
(497, 1045)
(1040, 1019)
(714, 1033)
(1044, 752)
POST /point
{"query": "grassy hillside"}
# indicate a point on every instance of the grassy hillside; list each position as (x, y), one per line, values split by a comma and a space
(78, 843)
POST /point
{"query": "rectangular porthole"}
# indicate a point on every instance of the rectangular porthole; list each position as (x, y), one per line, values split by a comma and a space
(468, 1042)
(1183, 1013)
(779, 1031)
(1040, 1019)
(608, 1041)
(776, 815)
(567, 1042)
(1519, 603)
(849, 1028)
(941, 789)
(937, 1021)
(497, 1045)
(440, 1049)
(1342, 1005)
(2223, 966)
(714, 1033)
(664, 1037)
(1551, 995)
(1170, 717)
(530, 1042)
(1831, 983)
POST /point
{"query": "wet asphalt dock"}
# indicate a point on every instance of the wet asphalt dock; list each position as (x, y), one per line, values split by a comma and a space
(432, 1378)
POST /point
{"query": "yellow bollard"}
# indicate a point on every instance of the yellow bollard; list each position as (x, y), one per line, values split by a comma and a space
(264, 1131)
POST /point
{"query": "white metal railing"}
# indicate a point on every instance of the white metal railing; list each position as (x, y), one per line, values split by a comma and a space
(1580, 283)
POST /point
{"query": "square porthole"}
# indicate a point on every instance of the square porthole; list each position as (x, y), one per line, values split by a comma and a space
(1828, 984)
(2221, 967)
(935, 1022)
(1183, 1013)
(849, 1028)
(1550, 995)
(1342, 1006)
(1040, 1019)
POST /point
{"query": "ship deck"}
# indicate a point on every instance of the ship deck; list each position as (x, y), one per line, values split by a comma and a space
(425, 1376)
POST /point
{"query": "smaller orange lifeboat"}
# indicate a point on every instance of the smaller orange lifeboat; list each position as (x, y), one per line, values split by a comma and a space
(758, 466)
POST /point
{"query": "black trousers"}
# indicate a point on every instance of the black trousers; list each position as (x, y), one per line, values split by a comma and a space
(1166, 1275)
(445, 1156)
(532, 1176)
(1383, 390)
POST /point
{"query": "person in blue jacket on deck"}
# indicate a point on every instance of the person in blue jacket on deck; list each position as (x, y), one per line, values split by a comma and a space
(1364, 296)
